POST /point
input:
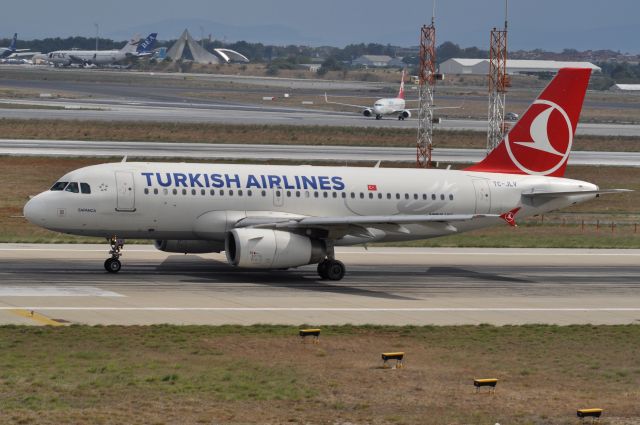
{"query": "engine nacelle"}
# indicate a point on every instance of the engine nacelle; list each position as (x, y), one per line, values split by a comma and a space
(405, 114)
(189, 246)
(367, 112)
(271, 249)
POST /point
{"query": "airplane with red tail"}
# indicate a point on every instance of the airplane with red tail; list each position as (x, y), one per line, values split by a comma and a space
(278, 217)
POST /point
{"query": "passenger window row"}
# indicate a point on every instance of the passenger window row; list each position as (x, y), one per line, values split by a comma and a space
(72, 187)
(305, 194)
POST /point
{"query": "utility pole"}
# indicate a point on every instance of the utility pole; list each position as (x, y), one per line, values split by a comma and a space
(498, 83)
(97, 32)
(427, 80)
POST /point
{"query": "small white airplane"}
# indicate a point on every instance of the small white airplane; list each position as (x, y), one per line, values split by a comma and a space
(133, 49)
(387, 106)
(277, 217)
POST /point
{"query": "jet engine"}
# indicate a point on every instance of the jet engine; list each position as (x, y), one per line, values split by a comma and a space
(405, 114)
(367, 112)
(272, 249)
(189, 246)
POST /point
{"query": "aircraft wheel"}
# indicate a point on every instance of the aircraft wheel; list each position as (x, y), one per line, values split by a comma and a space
(322, 269)
(378, 117)
(113, 265)
(335, 270)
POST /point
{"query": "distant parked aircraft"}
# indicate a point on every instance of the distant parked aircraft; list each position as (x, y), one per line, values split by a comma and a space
(5, 52)
(133, 49)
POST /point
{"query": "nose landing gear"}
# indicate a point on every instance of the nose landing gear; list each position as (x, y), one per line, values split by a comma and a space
(113, 264)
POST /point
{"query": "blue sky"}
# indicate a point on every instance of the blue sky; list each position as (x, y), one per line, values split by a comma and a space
(546, 24)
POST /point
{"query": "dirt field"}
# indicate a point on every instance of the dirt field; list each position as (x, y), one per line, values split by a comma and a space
(561, 230)
(264, 374)
(268, 134)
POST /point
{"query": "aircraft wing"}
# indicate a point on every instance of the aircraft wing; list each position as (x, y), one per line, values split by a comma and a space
(546, 194)
(435, 108)
(326, 99)
(77, 59)
(357, 225)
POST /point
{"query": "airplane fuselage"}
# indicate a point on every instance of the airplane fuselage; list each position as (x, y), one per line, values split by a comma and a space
(388, 106)
(93, 57)
(181, 201)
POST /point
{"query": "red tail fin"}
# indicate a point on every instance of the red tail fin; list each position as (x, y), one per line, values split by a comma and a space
(401, 91)
(541, 140)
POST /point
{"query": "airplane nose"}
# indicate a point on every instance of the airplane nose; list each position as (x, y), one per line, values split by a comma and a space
(34, 211)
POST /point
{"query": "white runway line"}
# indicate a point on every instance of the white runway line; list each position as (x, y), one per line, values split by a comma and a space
(331, 309)
(55, 291)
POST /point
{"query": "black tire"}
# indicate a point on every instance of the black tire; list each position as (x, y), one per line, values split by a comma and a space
(322, 269)
(335, 270)
(378, 117)
(107, 263)
(114, 266)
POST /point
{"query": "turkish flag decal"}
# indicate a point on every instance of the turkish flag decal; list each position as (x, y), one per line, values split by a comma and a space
(372, 187)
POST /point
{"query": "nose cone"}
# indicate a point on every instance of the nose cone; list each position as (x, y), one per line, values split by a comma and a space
(34, 211)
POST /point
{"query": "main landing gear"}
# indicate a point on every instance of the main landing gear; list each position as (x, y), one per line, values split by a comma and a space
(113, 264)
(330, 268)
(400, 118)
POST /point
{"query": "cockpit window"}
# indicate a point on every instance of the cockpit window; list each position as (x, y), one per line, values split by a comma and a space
(85, 188)
(58, 186)
(72, 187)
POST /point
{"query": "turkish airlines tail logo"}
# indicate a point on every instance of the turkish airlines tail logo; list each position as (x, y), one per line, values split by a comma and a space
(540, 142)
(401, 92)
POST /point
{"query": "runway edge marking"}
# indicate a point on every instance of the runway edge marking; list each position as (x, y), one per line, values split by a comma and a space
(31, 314)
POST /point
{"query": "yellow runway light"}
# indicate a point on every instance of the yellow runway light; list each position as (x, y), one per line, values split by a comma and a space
(485, 382)
(397, 356)
(315, 333)
(589, 413)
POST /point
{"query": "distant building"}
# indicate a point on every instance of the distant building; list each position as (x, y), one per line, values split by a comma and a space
(514, 66)
(631, 88)
(187, 48)
(378, 61)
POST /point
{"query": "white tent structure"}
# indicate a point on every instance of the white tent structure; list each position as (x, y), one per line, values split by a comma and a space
(514, 66)
(199, 54)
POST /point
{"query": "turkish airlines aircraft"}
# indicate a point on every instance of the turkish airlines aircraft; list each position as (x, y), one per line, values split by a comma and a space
(276, 217)
(386, 106)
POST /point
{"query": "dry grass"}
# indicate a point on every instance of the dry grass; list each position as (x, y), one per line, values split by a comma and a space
(170, 375)
(268, 134)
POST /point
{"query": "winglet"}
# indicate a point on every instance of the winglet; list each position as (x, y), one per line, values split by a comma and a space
(510, 217)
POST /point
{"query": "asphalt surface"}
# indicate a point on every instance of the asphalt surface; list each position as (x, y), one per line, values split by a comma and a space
(67, 148)
(236, 113)
(383, 286)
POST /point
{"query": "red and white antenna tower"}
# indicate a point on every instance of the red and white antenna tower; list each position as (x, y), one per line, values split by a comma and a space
(427, 81)
(498, 83)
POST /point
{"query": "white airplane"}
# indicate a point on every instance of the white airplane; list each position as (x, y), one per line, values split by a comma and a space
(277, 217)
(134, 48)
(6, 52)
(387, 106)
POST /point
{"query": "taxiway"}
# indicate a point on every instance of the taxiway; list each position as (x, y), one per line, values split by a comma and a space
(76, 148)
(398, 286)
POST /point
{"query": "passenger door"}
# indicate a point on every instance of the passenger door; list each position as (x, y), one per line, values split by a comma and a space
(126, 191)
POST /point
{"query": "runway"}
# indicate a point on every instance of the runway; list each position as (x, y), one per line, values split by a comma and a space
(60, 284)
(237, 113)
(71, 148)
